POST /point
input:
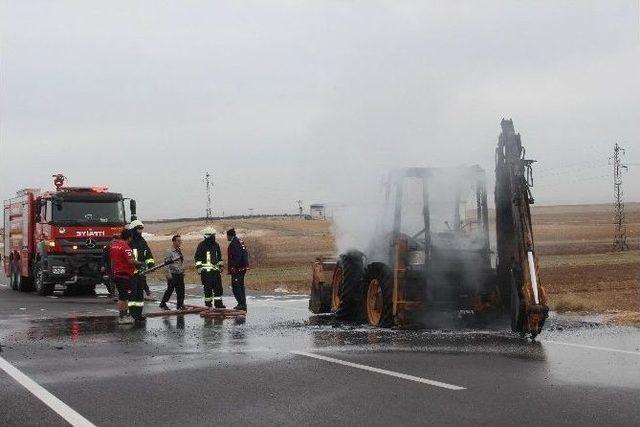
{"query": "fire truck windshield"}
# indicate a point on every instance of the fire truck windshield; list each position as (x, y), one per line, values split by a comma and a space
(89, 212)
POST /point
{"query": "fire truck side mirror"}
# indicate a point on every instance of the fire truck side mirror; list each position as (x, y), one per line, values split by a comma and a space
(132, 208)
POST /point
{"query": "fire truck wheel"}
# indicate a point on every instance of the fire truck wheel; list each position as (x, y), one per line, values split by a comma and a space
(352, 266)
(20, 283)
(378, 295)
(86, 290)
(25, 284)
(12, 278)
(42, 288)
(72, 290)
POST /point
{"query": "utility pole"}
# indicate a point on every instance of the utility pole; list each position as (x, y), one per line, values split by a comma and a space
(209, 184)
(619, 220)
(299, 202)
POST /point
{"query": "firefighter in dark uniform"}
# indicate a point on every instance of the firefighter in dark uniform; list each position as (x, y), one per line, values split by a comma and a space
(238, 264)
(209, 264)
(142, 254)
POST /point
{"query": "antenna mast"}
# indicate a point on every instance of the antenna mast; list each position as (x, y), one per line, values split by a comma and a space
(209, 184)
(299, 202)
(619, 220)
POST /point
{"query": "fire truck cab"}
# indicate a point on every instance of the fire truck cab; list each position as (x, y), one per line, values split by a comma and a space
(57, 238)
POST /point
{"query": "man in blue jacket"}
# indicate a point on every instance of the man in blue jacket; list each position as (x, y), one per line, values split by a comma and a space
(238, 264)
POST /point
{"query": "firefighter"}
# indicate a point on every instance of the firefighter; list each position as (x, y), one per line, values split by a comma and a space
(174, 273)
(123, 266)
(107, 274)
(141, 251)
(142, 254)
(209, 264)
(238, 264)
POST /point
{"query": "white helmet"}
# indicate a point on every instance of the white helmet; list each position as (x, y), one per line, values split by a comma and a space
(209, 231)
(135, 224)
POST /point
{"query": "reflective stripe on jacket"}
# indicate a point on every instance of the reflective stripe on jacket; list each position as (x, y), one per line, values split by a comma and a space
(208, 256)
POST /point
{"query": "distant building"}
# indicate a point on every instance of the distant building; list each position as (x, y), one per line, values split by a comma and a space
(318, 212)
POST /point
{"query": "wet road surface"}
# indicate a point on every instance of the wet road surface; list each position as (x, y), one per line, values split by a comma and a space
(283, 366)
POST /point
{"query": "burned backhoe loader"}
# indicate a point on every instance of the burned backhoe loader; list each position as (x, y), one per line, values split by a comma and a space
(432, 250)
(517, 268)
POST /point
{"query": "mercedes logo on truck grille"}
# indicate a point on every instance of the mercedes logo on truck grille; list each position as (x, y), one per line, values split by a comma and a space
(91, 243)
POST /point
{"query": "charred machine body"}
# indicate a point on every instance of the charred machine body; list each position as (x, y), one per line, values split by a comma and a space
(432, 251)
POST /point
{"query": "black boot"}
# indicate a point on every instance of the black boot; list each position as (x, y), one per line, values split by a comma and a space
(140, 318)
(219, 304)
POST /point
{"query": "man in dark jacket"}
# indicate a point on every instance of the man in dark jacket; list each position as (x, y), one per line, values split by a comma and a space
(209, 264)
(238, 264)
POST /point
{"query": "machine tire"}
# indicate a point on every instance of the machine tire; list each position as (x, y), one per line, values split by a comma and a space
(377, 296)
(42, 288)
(516, 312)
(336, 283)
(352, 266)
(320, 300)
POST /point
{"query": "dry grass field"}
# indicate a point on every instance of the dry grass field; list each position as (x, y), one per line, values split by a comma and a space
(578, 267)
(282, 249)
(574, 243)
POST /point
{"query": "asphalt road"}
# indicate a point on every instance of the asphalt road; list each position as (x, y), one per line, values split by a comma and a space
(283, 366)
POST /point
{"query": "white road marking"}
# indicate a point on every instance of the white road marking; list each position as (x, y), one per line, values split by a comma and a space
(61, 408)
(380, 371)
(592, 347)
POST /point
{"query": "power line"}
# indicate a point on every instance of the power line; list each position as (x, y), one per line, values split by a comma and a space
(299, 202)
(209, 184)
(619, 220)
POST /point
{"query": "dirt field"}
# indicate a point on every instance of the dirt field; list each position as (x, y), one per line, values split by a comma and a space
(282, 249)
(578, 268)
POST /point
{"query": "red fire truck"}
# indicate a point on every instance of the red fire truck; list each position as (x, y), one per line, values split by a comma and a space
(57, 238)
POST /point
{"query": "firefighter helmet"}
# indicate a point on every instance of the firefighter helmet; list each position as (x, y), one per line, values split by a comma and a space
(135, 224)
(209, 231)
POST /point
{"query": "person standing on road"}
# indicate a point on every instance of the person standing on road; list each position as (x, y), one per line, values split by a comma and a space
(174, 273)
(107, 274)
(123, 267)
(142, 254)
(209, 264)
(238, 264)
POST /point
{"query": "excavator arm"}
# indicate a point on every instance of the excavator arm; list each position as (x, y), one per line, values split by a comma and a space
(521, 291)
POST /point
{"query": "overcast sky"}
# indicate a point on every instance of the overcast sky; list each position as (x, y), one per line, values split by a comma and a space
(287, 100)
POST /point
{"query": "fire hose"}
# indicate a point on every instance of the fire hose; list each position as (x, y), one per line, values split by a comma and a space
(191, 309)
(157, 267)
